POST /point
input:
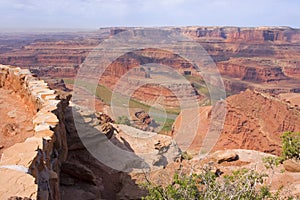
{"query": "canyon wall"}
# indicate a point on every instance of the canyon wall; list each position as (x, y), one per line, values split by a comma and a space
(61, 54)
(252, 70)
(31, 169)
(162, 77)
(259, 34)
(254, 121)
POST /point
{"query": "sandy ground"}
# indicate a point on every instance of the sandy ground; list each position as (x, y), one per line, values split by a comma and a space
(15, 119)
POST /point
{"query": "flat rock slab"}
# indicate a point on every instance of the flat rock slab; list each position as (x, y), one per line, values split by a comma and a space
(23, 183)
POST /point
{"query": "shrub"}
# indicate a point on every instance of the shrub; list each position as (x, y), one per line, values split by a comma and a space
(291, 145)
(271, 161)
(186, 156)
(242, 184)
(290, 149)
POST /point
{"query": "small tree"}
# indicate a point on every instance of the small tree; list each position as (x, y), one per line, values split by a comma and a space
(291, 145)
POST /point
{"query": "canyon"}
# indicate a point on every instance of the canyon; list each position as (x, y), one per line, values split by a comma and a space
(244, 56)
(50, 139)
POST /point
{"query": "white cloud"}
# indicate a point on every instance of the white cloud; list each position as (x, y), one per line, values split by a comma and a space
(96, 13)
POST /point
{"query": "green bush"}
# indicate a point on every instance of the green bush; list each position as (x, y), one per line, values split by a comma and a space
(271, 161)
(242, 184)
(291, 145)
(123, 120)
(186, 156)
(290, 149)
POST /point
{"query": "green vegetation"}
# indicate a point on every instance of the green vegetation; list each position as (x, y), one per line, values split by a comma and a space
(290, 150)
(167, 125)
(271, 161)
(291, 145)
(105, 94)
(198, 83)
(202, 87)
(101, 92)
(123, 120)
(242, 184)
(186, 156)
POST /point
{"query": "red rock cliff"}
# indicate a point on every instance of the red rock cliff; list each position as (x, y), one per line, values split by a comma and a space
(253, 121)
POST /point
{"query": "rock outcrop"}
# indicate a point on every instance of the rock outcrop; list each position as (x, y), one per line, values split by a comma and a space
(253, 121)
(252, 70)
(144, 121)
(287, 182)
(291, 165)
(264, 59)
(107, 161)
(224, 156)
(236, 34)
(256, 121)
(31, 169)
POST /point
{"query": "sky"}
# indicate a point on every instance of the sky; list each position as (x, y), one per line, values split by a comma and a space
(93, 14)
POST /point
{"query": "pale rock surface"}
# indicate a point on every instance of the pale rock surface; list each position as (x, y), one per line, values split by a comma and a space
(16, 183)
(291, 165)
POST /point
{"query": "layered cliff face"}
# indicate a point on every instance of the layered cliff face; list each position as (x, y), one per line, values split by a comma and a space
(253, 121)
(264, 55)
(49, 54)
(256, 35)
(256, 121)
(135, 60)
(170, 96)
(269, 75)
(155, 76)
(252, 70)
(60, 54)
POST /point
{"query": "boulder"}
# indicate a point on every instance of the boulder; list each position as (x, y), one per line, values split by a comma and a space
(143, 117)
(224, 156)
(103, 118)
(144, 121)
(160, 145)
(108, 129)
(291, 165)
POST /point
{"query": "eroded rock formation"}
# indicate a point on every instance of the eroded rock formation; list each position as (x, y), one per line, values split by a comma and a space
(31, 168)
(107, 161)
(253, 120)
(259, 34)
(264, 59)
(245, 56)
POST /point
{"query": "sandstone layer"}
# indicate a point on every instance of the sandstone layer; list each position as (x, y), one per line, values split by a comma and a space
(253, 121)
(264, 58)
(31, 168)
